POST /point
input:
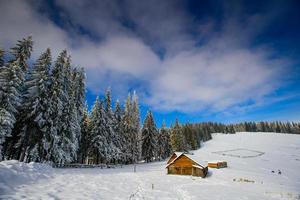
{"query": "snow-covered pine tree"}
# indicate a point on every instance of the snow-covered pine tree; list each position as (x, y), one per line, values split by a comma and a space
(78, 104)
(164, 148)
(35, 120)
(149, 134)
(12, 77)
(62, 138)
(113, 141)
(85, 136)
(159, 145)
(92, 152)
(136, 134)
(177, 139)
(192, 143)
(53, 138)
(127, 130)
(117, 125)
(99, 133)
(71, 124)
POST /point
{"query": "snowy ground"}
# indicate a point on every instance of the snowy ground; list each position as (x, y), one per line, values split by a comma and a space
(251, 159)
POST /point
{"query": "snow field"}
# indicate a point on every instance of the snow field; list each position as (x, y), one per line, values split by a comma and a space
(245, 178)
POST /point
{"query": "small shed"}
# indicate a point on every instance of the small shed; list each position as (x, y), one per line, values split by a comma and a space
(217, 164)
(186, 164)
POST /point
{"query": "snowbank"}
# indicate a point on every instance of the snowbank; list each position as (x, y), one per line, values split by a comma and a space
(14, 173)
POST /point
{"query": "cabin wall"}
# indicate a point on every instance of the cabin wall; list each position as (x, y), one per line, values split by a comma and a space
(200, 172)
(194, 171)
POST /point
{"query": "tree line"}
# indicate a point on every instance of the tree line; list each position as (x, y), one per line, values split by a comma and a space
(277, 127)
(44, 117)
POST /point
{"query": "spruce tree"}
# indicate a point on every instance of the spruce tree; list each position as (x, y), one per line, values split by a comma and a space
(99, 133)
(85, 139)
(127, 129)
(167, 148)
(52, 139)
(12, 77)
(36, 119)
(65, 130)
(177, 139)
(135, 134)
(149, 134)
(117, 126)
(112, 140)
(71, 123)
(160, 148)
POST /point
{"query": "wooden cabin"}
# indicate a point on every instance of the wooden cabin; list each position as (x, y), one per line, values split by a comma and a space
(185, 164)
(217, 164)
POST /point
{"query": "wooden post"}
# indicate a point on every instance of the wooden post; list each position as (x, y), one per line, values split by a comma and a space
(181, 170)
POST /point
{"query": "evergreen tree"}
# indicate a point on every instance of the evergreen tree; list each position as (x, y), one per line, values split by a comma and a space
(135, 134)
(127, 128)
(12, 77)
(164, 148)
(117, 126)
(35, 113)
(190, 137)
(177, 139)
(63, 136)
(85, 139)
(149, 134)
(99, 134)
(112, 139)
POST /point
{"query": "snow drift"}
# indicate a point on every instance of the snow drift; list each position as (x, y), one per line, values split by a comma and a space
(14, 173)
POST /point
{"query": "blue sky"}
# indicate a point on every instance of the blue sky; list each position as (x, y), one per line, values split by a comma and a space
(224, 61)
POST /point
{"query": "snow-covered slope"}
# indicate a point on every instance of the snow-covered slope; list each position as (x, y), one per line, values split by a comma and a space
(251, 159)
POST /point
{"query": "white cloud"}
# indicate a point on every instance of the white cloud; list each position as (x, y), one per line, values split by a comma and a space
(20, 20)
(222, 73)
(207, 78)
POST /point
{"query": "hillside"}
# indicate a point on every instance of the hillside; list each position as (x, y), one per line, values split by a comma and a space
(251, 159)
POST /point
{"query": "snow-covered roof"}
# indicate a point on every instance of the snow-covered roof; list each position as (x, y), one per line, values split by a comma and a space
(216, 161)
(178, 153)
(196, 159)
(192, 157)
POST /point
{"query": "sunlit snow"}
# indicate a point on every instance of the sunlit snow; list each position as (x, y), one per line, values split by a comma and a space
(254, 177)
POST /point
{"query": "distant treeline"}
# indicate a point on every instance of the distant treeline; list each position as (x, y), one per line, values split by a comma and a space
(189, 136)
(278, 127)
